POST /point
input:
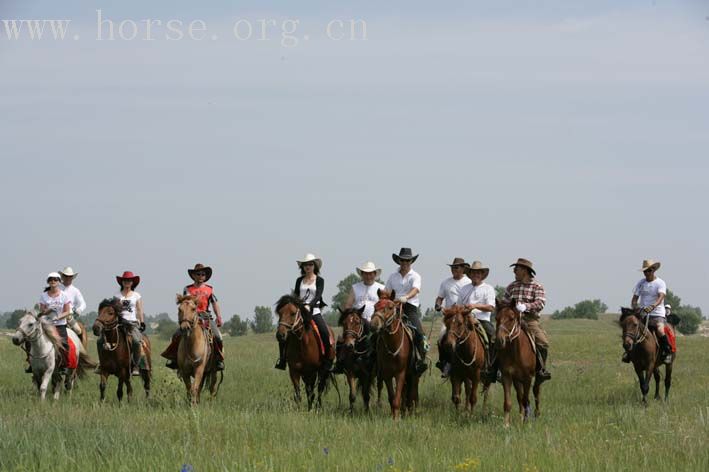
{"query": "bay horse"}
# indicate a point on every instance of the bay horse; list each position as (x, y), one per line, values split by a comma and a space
(468, 355)
(640, 342)
(46, 353)
(395, 354)
(196, 361)
(356, 358)
(303, 353)
(115, 355)
(517, 360)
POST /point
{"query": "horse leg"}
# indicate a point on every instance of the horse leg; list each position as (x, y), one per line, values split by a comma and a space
(643, 383)
(389, 382)
(102, 386)
(396, 401)
(455, 391)
(537, 391)
(295, 380)
(519, 390)
(129, 389)
(656, 375)
(351, 381)
(668, 380)
(527, 384)
(310, 389)
(507, 405)
(380, 387)
(145, 375)
(187, 380)
(119, 391)
(197, 384)
(44, 384)
(366, 385)
(473, 396)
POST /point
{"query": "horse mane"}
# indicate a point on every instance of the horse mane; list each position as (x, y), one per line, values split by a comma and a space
(114, 303)
(53, 335)
(182, 298)
(290, 298)
(626, 312)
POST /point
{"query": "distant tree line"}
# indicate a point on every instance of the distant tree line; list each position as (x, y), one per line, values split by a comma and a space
(588, 309)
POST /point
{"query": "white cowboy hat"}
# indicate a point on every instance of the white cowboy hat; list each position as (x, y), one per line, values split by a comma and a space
(369, 266)
(650, 264)
(310, 258)
(477, 265)
(68, 272)
(53, 275)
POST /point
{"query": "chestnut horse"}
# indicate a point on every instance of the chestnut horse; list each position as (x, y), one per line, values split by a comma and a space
(356, 358)
(468, 355)
(517, 359)
(196, 362)
(303, 353)
(640, 342)
(115, 356)
(395, 354)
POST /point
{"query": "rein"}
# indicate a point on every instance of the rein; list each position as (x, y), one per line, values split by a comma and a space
(358, 335)
(460, 342)
(638, 337)
(34, 336)
(297, 327)
(106, 329)
(513, 333)
(387, 324)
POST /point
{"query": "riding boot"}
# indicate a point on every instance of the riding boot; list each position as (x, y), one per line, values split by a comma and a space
(665, 350)
(136, 361)
(542, 373)
(219, 351)
(281, 364)
(28, 370)
(327, 347)
(421, 349)
(626, 357)
(170, 352)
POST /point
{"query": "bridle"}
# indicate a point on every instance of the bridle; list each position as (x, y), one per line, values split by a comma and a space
(387, 323)
(512, 333)
(459, 342)
(357, 335)
(108, 328)
(637, 337)
(297, 327)
(32, 336)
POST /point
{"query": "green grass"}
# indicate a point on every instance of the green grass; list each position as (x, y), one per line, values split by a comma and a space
(591, 419)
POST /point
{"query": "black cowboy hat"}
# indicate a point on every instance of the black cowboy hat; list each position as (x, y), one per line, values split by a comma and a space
(404, 254)
(459, 261)
(200, 268)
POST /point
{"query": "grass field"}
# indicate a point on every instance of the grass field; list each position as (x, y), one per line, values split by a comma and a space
(591, 419)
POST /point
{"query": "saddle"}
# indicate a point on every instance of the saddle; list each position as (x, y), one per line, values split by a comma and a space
(319, 338)
(525, 330)
(482, 335)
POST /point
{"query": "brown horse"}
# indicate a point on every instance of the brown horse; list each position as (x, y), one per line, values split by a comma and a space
(395, 355)
(196, 362)
(517, 360)
(303, 353)
(640, 342)
(356, 356)
(115, 356)
(469, 355)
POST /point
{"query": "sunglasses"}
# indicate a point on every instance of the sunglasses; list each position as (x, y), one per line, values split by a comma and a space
(648, 271)
(53, 279)
(309, 264)
(200, 274)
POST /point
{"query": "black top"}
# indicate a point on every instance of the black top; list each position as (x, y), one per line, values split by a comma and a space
(319, 289)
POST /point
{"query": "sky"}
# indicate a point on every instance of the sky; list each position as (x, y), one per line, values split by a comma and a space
(570, 133)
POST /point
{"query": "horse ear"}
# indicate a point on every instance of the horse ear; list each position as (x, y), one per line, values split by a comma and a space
(624, 313)
(361, 310)
(340, 310)
(177, 298)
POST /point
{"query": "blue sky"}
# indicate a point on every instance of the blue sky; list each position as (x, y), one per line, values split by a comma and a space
(570, 133)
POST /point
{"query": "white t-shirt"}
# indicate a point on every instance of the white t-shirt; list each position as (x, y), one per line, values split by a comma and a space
(56, 305)
(77, 300)
(366, 296)
(403, 285)
(648, 292)
(482, 294)
(450, 290)
(130, 303)
(307, 294)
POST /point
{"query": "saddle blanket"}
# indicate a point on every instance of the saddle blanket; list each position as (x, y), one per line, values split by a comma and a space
(320, 343)
(72, 357)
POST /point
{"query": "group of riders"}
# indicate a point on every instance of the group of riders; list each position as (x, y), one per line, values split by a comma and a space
(62, 302)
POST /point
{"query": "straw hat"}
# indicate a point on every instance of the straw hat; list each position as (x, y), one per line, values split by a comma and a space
(200, 268)
(650, 264)
(477, 265)
(68, 272)
(405, 254)
(310, 258)
(459, 261)
(369, 266)
(525, 263)
(128, 275)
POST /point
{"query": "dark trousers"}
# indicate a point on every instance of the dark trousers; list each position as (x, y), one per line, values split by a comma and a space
(412, 313)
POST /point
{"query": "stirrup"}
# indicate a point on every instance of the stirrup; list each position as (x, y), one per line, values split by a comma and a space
(280, 364)
(28, 370)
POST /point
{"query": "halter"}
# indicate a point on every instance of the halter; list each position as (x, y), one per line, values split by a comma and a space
(460, 342)
(638, 337)
(35, 334)
(513, 333)
(358, 335)
(297, 327)
(107, 328)
(387, 324)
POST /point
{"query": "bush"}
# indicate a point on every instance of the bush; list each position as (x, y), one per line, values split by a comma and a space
(166, 328)
(587, 309)
(263, 320)
(236, 326)
(13, 319)
(690, 318)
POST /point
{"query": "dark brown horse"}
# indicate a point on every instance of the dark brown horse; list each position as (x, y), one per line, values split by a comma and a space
(196, 362)
(468, 355)
(517, 360)
(395, 355)
(115, 356)
(303, 353)
(640, 342)
(356, 358)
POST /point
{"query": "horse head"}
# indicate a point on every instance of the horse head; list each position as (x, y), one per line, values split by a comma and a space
(458, 323)
(353, 325)
(508, 321)
(186, 312)
(293, 317)
(386, 309)
(108, 312)
(631, 323)
(26, 329)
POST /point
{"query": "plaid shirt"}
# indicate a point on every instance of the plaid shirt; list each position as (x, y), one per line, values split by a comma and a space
(531, 294)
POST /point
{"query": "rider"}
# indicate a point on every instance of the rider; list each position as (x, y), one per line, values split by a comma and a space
(480, 298)
(363, 294)
(309, 287)
(56, 305)
(78, 305)
(406, 284)
(649, 294)
(531, 298)
(132, 316)
(447, 297)
(205, 297)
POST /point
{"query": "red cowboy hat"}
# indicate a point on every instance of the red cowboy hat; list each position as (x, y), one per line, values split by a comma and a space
(128, 275)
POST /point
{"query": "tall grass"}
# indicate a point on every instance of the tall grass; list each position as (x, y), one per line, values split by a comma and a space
(591, 419)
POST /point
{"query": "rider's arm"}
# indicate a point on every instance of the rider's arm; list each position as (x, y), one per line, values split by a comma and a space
(659, 301)
(81, 305)
(217, 312)
(412, 293)
(540, 300)
(416, 287)
(439, 302)
(634, 302)
(66, 311)
(350, 300)
(139, 311)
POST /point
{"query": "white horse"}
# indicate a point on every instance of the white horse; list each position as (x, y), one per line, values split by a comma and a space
(45, 351)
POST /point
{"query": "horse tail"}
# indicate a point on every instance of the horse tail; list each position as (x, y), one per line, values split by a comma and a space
(85, 363)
